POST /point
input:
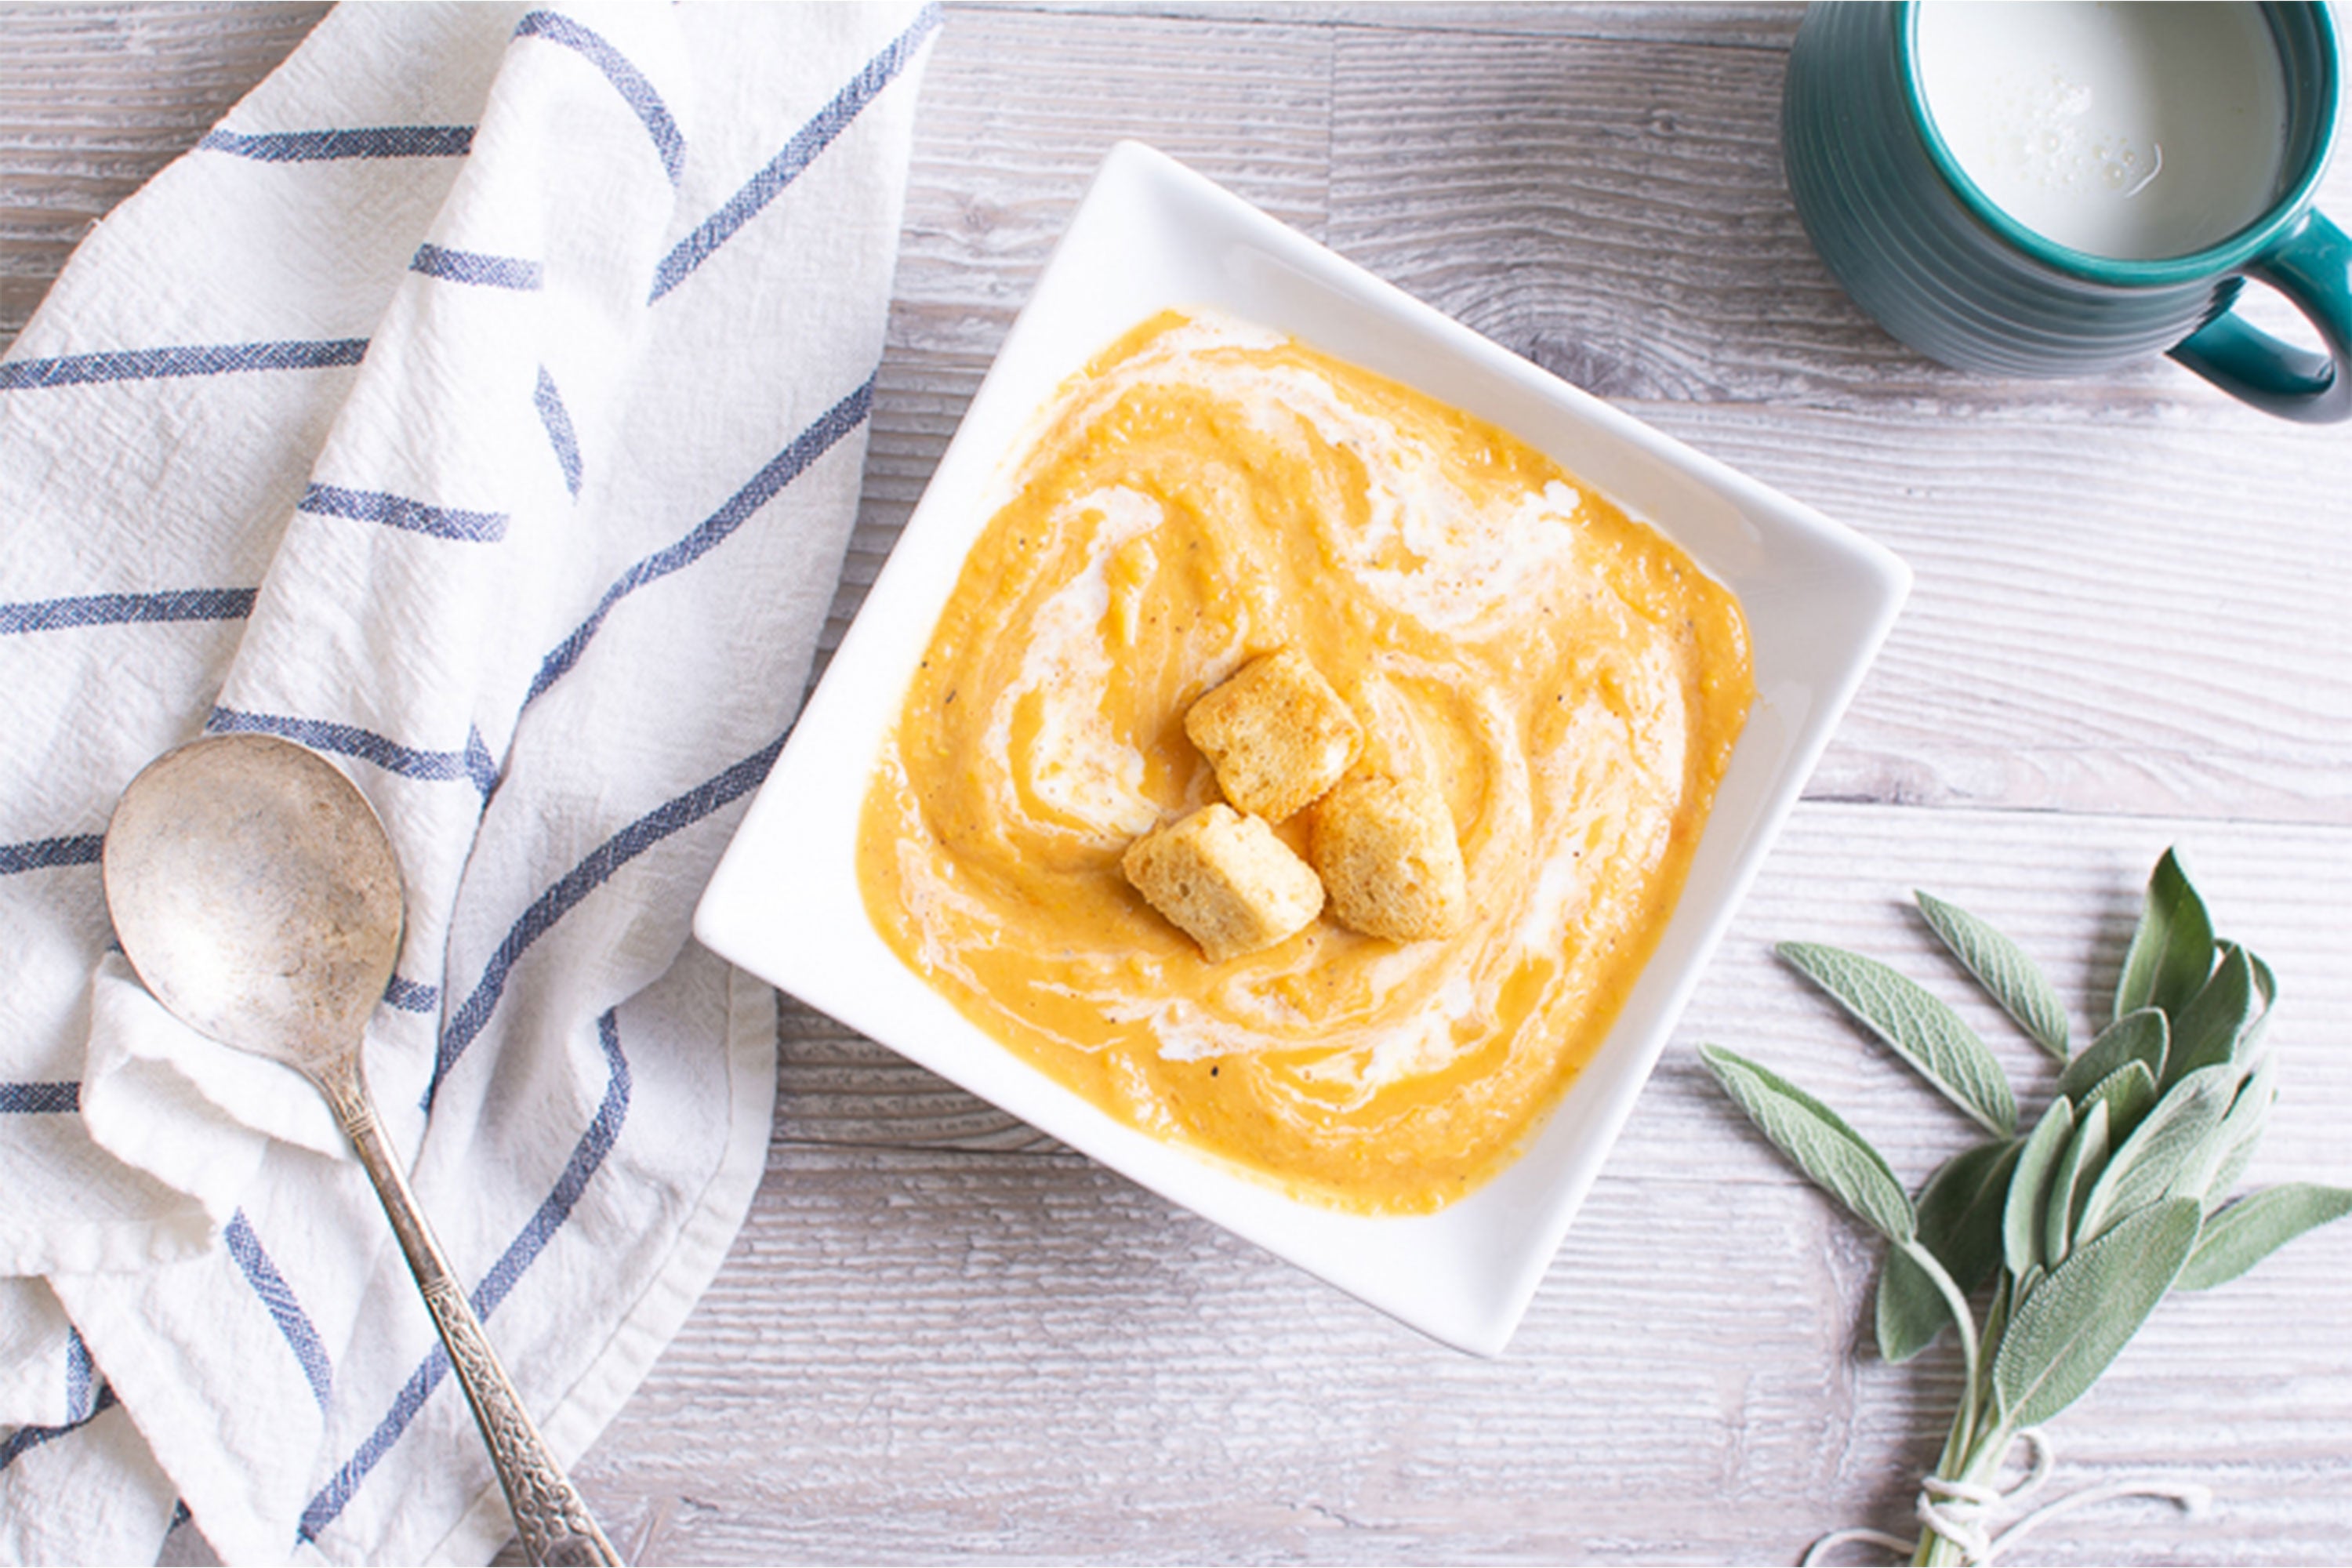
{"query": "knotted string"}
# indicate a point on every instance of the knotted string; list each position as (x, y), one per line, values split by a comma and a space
(1957, 1511)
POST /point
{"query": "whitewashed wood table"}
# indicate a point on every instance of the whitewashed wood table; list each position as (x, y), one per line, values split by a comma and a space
(942, 1337)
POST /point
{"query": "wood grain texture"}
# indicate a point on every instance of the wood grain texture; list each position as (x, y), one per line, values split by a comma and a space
(1614, 209)
(1762, 25)
(1689, 1386)
(2098, 623)
(95, 99)
(942, 1336)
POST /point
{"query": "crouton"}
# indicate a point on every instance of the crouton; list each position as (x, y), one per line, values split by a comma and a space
(1386, 851)
(1277, 735)
(1226, 880)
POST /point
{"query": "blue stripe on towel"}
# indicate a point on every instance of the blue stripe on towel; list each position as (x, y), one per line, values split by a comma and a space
(560, 435)
(496, 1286)
(785, 468)
(81, 1404)
(194, 359)
(320, 146)
(799, 152)
(399, 511)
(480, 766)
(586, 1156)
(351, 740)
(284, 1309)
(579, 881)
(626, 80)
(24, 1439)
(473, 266)
(410, 995)
(40, 1099)
(119, 609)
(80, 850)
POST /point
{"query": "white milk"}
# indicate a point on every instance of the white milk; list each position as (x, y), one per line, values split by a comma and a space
(2132, 131)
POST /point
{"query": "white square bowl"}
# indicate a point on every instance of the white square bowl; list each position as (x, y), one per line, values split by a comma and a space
(784, 902)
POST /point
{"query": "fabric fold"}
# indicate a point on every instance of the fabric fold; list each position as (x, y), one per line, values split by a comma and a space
(389, 421)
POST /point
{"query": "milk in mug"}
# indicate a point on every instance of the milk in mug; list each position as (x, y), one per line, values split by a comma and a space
(2132, 131)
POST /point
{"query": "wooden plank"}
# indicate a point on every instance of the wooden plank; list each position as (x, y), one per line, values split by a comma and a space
(1018, 1362)
(2096, 624)
(1615, 211)
(1764, 26)
(921, 1352)
(1018, 109)
(94, 99)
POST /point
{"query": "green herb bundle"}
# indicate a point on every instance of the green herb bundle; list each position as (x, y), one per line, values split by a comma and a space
(2046, 1248)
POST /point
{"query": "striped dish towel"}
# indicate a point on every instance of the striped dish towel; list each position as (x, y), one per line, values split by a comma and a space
(482, 403)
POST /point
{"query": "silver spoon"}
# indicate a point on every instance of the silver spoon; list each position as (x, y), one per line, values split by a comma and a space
(257, 895)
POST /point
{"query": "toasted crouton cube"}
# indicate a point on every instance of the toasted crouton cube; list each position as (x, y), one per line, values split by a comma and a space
(1276, 734)
(1387, 854)
(1226, 879)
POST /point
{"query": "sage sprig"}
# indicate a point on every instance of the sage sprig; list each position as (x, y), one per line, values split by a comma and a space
(2066, 1236)
(2001, 967)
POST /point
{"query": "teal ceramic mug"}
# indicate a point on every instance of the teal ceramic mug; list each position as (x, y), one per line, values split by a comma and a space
(1921, 245)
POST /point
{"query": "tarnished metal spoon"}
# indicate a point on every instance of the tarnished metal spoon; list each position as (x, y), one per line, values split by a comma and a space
(257, 895)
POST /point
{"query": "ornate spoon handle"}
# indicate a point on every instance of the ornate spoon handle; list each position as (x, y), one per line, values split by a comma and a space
(550, 1514)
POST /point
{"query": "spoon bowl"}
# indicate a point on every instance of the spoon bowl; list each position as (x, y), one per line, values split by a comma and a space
(257, 895)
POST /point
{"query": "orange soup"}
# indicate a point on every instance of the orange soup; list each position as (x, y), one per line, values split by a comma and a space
(1570, 681)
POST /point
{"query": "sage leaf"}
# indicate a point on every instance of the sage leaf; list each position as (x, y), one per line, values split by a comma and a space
(2171, 950)
(2005, 1297)
(2265, 996)
(2206, 1031)
(2266, 986)
(2129, 1093)
(1818, 1141)
(2085, 1156)
(2141, 1036)
(2256, 1225)
(2224, 1158)
(1920, 1029)
(2027, 1283)
(2066, 1332)
(2146, 1163)
(2001, 967)
(2250, 1041)
(1911, 1311)
(2028, 1189)
(2234, 1161)
(2117, 1194)
(1959, 1215)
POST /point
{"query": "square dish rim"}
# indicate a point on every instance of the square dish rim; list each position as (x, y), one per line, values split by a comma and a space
(780, 905)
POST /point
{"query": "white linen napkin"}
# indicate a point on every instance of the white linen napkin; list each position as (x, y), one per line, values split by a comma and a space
(483, 404)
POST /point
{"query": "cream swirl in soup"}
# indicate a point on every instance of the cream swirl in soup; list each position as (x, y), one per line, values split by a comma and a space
(1571, 682)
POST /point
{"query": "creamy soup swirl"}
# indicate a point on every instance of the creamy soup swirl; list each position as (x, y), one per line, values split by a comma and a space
(1568, 680)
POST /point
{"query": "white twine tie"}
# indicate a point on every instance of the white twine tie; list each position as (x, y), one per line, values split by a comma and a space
(1958, 1511)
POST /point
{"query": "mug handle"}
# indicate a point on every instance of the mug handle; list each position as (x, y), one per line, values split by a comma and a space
(2311, 266)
